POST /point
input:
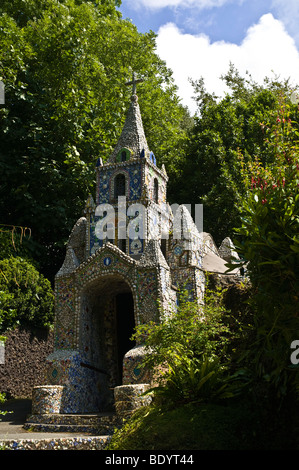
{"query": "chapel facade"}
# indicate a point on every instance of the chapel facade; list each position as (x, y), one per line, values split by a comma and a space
(126, 261)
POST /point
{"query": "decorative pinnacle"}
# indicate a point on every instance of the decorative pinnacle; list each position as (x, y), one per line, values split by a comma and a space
(134, 82)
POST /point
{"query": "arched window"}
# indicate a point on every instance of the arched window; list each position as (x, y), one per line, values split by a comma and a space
(120, 185)
(156, 191)
(123, 155)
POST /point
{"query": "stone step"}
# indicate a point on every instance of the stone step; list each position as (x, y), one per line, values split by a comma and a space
(57, 418)
(67, 428)
(102, 423)
(60, 443)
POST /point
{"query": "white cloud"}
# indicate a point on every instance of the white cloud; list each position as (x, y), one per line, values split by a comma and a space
(159, 4)
(266, 49)
(288, 12)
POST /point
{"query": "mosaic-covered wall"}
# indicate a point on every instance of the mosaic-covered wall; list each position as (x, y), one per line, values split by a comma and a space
(144, 184)
(85, 356)
(124, 266)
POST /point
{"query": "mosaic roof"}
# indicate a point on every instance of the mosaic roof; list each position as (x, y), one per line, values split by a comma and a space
(132, 136)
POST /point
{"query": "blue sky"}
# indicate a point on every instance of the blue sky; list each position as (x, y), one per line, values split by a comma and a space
(199, 38)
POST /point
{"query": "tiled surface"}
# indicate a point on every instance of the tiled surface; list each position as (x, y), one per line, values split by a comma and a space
(86, 360)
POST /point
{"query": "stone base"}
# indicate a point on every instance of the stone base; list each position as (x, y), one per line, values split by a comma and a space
(85, 389)
(128, 398)
(133, 371)
(47, 399)
(61, 443)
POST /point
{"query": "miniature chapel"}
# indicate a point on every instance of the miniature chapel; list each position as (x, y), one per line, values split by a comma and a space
(121, 270)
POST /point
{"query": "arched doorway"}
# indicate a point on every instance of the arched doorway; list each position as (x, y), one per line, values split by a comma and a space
(106, 325)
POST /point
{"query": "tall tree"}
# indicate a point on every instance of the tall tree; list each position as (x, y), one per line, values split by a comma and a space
(268, 244)
(65, 64)
(224, 130)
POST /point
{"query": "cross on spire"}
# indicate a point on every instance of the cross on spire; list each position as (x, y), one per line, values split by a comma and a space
(134, 82)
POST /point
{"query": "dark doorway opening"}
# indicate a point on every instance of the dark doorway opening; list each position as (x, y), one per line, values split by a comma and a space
(119, 185)
(125, 325)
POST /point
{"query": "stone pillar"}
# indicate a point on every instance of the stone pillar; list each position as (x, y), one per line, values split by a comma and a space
(133, 372)
(47, 399)
(128, 398)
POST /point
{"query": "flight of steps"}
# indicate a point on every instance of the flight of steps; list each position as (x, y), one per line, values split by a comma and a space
(96, 424)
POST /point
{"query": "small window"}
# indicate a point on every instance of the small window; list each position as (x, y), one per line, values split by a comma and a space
(123, 155)
(156, 191)
(120, 185)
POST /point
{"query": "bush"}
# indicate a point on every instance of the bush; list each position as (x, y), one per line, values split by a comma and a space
(237, 426)
(268, 245)
(2, 401)
(26, 297)
(192, 352)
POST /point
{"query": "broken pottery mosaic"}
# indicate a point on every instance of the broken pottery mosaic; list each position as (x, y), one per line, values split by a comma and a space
(109, 285)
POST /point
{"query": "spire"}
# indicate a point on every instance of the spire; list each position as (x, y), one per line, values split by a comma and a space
(132, 136)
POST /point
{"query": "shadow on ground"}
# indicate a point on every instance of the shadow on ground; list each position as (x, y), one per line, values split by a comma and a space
(18, 410)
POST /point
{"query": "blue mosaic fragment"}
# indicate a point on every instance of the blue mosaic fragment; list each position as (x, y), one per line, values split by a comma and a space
(107, 261)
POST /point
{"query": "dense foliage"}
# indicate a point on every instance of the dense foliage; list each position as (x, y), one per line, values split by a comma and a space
(26, 297)
(2, 400)
(65, 65)
(268, 243)
(191, 351)
(14, 241)
(204, 390)
(223, 129)
(266, 236)
(204, 427)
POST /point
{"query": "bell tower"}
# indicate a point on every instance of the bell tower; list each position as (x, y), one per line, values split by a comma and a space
(131, 190)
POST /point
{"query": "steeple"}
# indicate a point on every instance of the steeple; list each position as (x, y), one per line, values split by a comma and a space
(132, 137)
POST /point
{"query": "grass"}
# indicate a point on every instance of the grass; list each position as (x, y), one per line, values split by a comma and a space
(236, 426)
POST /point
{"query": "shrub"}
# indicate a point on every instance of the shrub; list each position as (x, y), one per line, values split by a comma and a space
(26, 297)
(191, 350)
(201, 427)
(195, 379)
(268, 245)
(2, 401)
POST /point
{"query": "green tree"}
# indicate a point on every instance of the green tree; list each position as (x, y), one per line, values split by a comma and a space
(268, 244)
(65, 64)
(225, 129)
(26, 297)
(13, 241)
